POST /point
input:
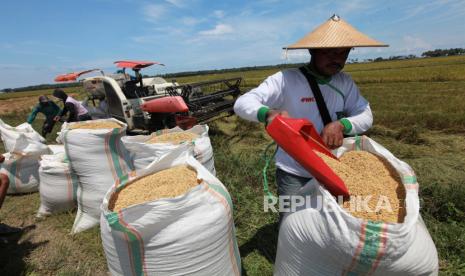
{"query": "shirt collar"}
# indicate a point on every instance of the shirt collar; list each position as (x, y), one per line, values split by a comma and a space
(319, 78)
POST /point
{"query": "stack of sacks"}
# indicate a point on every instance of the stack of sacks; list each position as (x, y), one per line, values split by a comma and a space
(58, 184)
(387, 238)
(99, 159)
(174, 218)
(22, 164)
(146, 149)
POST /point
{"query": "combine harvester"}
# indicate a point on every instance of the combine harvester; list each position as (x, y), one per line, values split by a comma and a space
(150, 104)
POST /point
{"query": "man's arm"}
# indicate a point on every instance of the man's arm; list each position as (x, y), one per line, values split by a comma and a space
(33, 115)
(56, 109)
(72, 112)
(358, 112)
(255, 105)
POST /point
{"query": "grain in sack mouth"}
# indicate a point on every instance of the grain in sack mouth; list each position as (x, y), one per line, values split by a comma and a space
(167, 183)
(94, 125)
(173, 138)
(375, 187)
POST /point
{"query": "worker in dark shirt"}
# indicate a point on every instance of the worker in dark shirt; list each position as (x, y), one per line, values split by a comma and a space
(77, 112)
(49, 109)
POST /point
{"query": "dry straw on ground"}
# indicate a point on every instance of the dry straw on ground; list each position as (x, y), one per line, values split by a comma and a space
(173, 138)
(366, 174)
(94, 125)
(167, 183)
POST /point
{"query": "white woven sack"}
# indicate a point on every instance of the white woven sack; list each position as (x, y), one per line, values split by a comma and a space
(26, 146)
(143, 154)
(191, 234)
(10, 134)
(56, 149)
(98, 158)
(23, 173)
(330, 241)
(58, 185)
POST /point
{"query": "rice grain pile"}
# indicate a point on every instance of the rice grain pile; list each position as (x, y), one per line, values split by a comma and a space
(94, 125)
(366, 174)
(167, 183)
(173, 138)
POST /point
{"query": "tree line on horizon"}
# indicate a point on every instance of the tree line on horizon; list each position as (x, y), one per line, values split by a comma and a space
(432, 53)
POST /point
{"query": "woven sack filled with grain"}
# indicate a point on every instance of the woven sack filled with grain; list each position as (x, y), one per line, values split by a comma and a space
(186, 228)
(323, 238)
(22, 171)
(55, 149)
(58, 185)
(98, 158)
(22, 164)
(11, 134)
(145, 149)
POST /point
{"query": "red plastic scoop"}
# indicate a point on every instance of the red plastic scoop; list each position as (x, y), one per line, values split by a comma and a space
(299, 138)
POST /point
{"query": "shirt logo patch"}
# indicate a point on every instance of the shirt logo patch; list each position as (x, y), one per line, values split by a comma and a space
(307, 99)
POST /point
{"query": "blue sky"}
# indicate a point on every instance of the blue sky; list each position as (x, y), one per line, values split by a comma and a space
(41, 39)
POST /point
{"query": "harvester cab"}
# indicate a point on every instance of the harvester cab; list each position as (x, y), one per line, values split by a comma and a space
(151, 103)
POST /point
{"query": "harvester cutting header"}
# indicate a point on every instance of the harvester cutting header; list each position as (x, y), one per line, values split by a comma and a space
(152, 103)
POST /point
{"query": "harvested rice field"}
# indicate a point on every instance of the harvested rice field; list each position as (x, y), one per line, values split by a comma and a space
(173, 138)
(368, 175)
(167, 183)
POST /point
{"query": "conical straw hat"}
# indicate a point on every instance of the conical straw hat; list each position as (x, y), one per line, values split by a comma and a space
(335, 33)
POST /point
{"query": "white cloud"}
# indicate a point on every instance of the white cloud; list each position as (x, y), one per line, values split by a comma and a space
(192, 21)
(14, 67)
(177, 3)
(219, 30)
(6, 45)
(295, 55)
(154, 12)
(355, 6)
(412, 43)
(437, 10)
(218, 14)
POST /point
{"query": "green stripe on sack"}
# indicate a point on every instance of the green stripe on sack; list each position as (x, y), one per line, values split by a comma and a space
(78, 196)
(226, 195)
(122, 183)
(114, 154)
(370, 249)
(74, 182)
(127, 158)
(358, 143)
(236, 250)
(223, 193)
(134, 242)
(409, 179)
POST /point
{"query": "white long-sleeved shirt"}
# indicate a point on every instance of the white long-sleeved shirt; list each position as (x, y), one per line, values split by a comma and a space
(289, 90)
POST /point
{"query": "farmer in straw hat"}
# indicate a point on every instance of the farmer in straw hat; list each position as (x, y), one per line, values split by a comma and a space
(319, 92)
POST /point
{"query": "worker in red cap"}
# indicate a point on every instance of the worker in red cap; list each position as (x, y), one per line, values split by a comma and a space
(49, 109)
